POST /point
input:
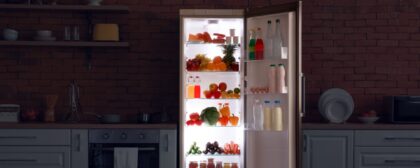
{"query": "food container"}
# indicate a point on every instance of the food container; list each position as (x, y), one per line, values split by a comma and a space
(106, 32)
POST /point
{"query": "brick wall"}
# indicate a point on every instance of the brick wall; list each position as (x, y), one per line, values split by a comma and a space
(367, 47)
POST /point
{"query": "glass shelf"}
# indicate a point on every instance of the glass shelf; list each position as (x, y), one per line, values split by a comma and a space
(265, 94)
(284, 61)
(215, 155)
(211, 99)
(218, 126)
(191, 43)
(213, 72)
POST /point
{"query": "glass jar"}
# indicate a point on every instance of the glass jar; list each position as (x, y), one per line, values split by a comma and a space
(226, 165)
(210, 163)
(234, 165)
(193, 164)
(203, 164)
(219, 164)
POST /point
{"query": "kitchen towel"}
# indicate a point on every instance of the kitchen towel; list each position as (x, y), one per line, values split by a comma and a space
(125, 157)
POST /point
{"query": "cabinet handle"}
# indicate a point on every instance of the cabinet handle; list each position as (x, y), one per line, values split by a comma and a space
(166, 147)
(402, 138)
(78, 142)
(17, 137)
(303, 95)
(402, 161)
(18, 160)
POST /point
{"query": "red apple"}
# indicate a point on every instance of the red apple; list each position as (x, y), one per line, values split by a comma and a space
(213, 87)
(222, 86)
(208, 94)
(217, 94)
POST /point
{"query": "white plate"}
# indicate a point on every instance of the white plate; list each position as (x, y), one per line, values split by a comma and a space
(336, 94)
(337, 110)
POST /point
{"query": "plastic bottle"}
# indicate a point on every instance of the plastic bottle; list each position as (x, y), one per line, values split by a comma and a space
(258, 115)
(278, 41)
(259, 46)
(251, 47)
(190, 87)
(272, 79)
(268, 41)
(197, 88)
(277, 119)
(281, 79)
(267, 115)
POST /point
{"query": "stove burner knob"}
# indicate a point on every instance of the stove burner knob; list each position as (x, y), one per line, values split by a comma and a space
(123, 136)
(105, 136)
(142, 136)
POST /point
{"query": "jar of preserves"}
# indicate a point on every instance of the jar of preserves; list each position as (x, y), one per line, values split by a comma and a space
(210, 163)
(219, 164)
(234, 165)
(226, 165)
(193, 164)
(203, 164)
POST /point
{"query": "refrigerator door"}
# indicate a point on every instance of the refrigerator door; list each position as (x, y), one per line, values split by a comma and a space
(278, 143)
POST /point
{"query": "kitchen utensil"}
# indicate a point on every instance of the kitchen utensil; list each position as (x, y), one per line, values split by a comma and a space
(51, 101)
(10, 34)
(368, 120)
(94, 2)
(9, 113)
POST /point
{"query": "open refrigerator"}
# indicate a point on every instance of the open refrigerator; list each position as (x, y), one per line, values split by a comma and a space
(220, 83)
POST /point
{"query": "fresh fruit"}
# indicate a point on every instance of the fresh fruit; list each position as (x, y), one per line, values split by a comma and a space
(233, 120)
(210, 115)
(234, 66)
(206, 37)
(230, 92)
(228, 59)
(217, 59)
(222, 86)
(224, 95)
(190, 122)
(237, 90)
(217, 94)
(208, 94)
(194, 119)
(232, 148)
(224, 121)
(213, 87)
(194, 116)
(198, 122)
(194, 149)
(213, 148)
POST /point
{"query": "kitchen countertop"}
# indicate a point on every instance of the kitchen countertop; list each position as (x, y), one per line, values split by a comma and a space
(84, 126)
(359, 126)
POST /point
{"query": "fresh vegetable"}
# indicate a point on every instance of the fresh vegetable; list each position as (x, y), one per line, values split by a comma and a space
(194, 149)
(237, 90)
(224, 120)
(225, 110)
(210, 115)
(222, 86)
(213, 148)
(234, 120)
(194, 119)
(232, 148)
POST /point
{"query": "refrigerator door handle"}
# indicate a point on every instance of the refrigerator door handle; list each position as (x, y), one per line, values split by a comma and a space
(303, 96)
(305, 143)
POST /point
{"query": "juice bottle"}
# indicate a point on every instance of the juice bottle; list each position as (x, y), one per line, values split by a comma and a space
(251, 47)
(277, 116)
(190, 88)
(259, 46)
(267, 115)
(197, 89)
(281, 79)
(272, 79)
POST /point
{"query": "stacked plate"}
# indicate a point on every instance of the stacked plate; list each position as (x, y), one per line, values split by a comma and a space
(336, 105)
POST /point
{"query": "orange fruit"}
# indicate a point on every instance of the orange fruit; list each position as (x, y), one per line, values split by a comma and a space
(217, 59)
(222, 66)
(211, 66)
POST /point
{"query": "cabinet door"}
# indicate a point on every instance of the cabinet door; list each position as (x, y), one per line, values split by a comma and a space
(168, 149)
(35, 157)
(79, 148)
(328, 149)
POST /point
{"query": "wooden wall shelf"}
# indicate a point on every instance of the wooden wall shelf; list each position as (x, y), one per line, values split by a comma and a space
(64, 44)
(83, 8)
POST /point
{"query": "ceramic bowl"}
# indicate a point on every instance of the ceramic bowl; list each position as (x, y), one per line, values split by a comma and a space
(44, 33)
(94, 2)
(10, 34)
(368, 120)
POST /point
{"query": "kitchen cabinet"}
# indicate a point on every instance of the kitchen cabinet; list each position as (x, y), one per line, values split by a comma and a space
(387, 157)
(79, 148)
(168, 148)
(322, 149)
(35, 157)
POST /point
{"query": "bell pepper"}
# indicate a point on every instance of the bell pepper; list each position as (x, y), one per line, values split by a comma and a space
(224, 120)
(234, 120)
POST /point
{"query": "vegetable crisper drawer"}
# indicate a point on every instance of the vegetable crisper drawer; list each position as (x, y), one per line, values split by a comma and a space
(387, 157)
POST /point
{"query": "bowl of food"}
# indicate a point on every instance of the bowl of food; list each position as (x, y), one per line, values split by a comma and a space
(10, 34)
(94, 2)
(369, 117)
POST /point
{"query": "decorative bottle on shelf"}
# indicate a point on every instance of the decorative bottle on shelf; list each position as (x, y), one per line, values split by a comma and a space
(259, 46)
(197, 88)
(190, 87)
(251, 47)
(268, 41)
(272, 79)
(258, 115)
(278, 41)
(267, 115)
(281, 79)
(277, 122)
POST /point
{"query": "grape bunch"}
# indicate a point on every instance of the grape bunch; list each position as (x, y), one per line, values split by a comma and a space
(213, 148)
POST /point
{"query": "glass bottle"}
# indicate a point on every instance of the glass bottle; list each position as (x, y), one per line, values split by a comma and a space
(226, 165)
(210, 163)
(259, 46)
(278, 41)
(197, 88)
(277, 116)
(251, 47)
(219, 164)
(190, 87)
(203, 164)
(258, 115)
(268, 41)
(267, 115)
(234, 165)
